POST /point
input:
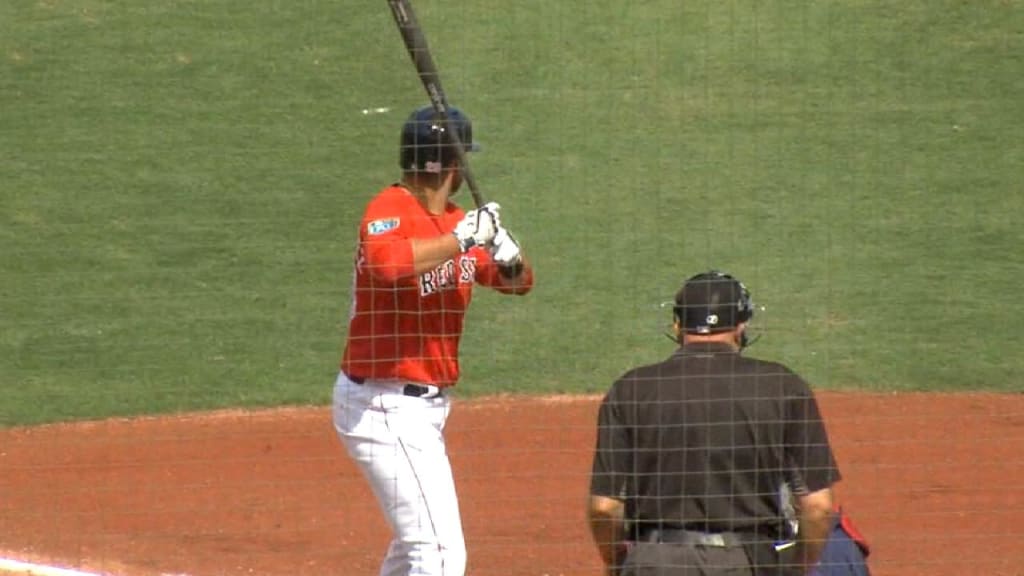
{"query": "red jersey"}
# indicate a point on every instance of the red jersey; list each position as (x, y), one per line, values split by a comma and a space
(403, 325)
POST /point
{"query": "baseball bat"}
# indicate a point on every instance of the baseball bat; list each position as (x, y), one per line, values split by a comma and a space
(416, 45)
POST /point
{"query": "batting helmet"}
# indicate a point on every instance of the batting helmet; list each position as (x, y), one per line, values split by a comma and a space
(712, 302)
(425, 147)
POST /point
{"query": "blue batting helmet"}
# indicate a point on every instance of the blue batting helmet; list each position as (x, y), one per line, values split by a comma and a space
(425, 147)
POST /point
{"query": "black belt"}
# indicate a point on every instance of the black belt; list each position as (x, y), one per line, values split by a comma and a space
(414, 390)
(421, 391)
(691, 537)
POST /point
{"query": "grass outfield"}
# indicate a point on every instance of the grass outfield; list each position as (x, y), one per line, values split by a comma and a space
(181, 183)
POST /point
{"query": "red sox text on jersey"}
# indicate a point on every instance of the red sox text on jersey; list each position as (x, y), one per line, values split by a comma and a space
(444, 276)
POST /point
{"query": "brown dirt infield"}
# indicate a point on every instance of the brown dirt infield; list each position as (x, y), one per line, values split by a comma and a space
(936, 482)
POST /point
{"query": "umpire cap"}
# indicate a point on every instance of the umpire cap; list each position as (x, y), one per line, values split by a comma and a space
(425, 146)
(712, 302)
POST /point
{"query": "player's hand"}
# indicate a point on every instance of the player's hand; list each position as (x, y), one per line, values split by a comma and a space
(505, 249)
(478, 227)
(507, 254)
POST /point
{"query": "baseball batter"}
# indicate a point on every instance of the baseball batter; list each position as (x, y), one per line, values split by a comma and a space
(418, 258)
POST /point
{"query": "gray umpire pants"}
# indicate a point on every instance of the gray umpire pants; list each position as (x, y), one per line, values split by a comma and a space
(672, 559)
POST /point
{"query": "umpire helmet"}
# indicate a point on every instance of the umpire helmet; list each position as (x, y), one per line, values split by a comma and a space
(425, 147)
(712, 302)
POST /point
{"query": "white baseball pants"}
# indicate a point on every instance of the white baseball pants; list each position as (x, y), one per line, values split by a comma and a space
(398, 442)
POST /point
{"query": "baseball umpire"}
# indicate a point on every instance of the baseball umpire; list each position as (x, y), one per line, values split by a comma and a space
(691, 452)
(418, 259)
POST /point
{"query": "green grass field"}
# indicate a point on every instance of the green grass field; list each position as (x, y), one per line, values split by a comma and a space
(180, 184)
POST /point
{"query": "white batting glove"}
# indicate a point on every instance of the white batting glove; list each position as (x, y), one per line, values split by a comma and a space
(478, 227)
(507, 254)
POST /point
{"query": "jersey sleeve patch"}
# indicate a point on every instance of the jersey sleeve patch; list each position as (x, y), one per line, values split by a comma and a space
(381, 226)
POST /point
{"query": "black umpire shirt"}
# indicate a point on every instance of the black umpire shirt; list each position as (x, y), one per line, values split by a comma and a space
(703, 440)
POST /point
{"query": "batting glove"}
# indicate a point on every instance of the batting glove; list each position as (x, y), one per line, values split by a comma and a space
(506, 253)
(478, 227)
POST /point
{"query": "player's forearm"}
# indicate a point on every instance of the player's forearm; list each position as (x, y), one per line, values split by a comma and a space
(429, 253)
(392, 261)
(516, 280)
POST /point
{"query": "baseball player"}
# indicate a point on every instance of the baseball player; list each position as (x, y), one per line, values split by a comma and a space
(691, 452)
(418, 258)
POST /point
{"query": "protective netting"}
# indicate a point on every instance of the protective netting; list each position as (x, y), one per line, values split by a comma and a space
(183, 186)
